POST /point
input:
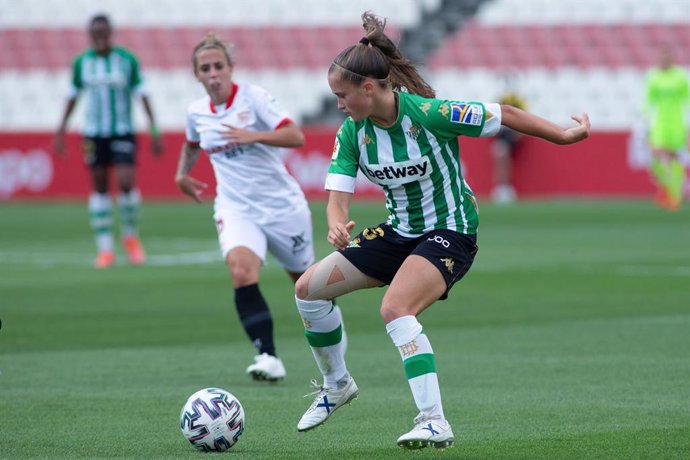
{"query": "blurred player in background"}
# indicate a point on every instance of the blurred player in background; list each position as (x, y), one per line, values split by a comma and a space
(110, 76)
(667, 101)
(259, 206)
(406, 141)
(503, 148)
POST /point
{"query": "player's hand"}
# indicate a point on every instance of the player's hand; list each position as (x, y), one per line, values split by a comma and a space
(339, 234)
(59, 144)
(157, 145)
(191, 186)
(579, 132)
(239, 136)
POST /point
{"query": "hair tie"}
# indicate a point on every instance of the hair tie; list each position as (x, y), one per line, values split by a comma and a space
(364, 41)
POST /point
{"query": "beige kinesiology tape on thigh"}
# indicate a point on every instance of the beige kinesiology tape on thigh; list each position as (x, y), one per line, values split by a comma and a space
(335, 276)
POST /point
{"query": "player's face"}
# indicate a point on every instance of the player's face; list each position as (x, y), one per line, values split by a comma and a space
(100, 36)
(215, 73)
(353, 100)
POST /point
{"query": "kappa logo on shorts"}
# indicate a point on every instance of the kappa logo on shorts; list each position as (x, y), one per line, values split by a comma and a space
(409, 348)
(449, 263)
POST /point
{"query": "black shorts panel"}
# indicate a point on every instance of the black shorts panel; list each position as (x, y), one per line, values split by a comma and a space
(106, 151)
(452, 253)
(379, 252)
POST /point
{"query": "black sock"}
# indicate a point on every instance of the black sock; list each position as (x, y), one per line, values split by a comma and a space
(255, 318)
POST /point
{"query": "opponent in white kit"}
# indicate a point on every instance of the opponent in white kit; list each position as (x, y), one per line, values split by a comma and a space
(259, 206)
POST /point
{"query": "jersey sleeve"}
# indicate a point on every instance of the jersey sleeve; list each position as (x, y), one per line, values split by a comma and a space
(136, 81)
(269, 111)
(191, 133)
(457, 118)
(342, 172)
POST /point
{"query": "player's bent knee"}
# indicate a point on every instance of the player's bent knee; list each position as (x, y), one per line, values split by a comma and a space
(332, 277)
(302, 286)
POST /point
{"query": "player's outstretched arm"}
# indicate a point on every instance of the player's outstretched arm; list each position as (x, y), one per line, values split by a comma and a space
(533, 125)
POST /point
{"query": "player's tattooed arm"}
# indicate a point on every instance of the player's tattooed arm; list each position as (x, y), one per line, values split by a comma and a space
(187, 183)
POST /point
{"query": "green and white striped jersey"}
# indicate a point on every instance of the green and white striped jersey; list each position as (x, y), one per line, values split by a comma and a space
(416, 162)
(109, 83)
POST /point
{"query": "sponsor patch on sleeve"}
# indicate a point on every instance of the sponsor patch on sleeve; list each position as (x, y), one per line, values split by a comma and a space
(466, 114)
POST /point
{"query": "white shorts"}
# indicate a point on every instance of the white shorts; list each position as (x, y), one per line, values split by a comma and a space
(289, 239)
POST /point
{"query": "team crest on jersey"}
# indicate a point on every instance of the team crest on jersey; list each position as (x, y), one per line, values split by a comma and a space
(413, 132)
(424, 107)
(466, 114)
(244, 116)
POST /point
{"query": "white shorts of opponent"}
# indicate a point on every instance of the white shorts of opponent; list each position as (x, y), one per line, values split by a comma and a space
(288, 238)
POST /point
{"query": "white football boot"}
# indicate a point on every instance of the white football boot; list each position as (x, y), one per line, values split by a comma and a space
(326, 402)
(267, 367)
(428, 431)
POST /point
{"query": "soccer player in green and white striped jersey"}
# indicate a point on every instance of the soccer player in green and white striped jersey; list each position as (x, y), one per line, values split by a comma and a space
(403, 139)
(109, 76)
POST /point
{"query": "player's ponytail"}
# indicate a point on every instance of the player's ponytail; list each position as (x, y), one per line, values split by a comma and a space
(377, 57)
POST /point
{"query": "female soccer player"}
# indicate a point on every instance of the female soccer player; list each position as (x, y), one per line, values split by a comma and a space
(406, 141)
(110, 76)
(259, 206)
(667, 100)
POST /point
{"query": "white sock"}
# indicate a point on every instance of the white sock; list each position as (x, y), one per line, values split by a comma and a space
(420, 366)
(129, 204)
(101, 218)
(324, 331)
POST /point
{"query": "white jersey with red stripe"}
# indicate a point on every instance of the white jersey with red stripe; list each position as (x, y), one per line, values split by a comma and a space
(252, 180)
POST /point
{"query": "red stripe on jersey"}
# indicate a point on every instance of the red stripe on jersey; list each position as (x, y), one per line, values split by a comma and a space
(283, 122)
(194, 144)
(233, 93)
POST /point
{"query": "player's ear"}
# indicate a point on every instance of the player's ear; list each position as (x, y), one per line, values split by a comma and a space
(367, 86)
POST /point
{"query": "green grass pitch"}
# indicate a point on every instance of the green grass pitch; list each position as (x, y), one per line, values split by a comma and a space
(568, 339)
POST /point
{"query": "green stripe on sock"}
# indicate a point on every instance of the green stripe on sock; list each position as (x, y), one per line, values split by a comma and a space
(419, 365)
(324, 339)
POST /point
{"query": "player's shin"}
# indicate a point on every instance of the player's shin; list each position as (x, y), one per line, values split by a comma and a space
(101, 219)
(129, 204)
(323, 327)
(419, 363)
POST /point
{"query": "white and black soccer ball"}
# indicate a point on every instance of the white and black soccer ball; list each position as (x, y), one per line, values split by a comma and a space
(212, 420)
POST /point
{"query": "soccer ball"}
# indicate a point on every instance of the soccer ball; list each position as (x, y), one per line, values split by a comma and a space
(212, 420)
